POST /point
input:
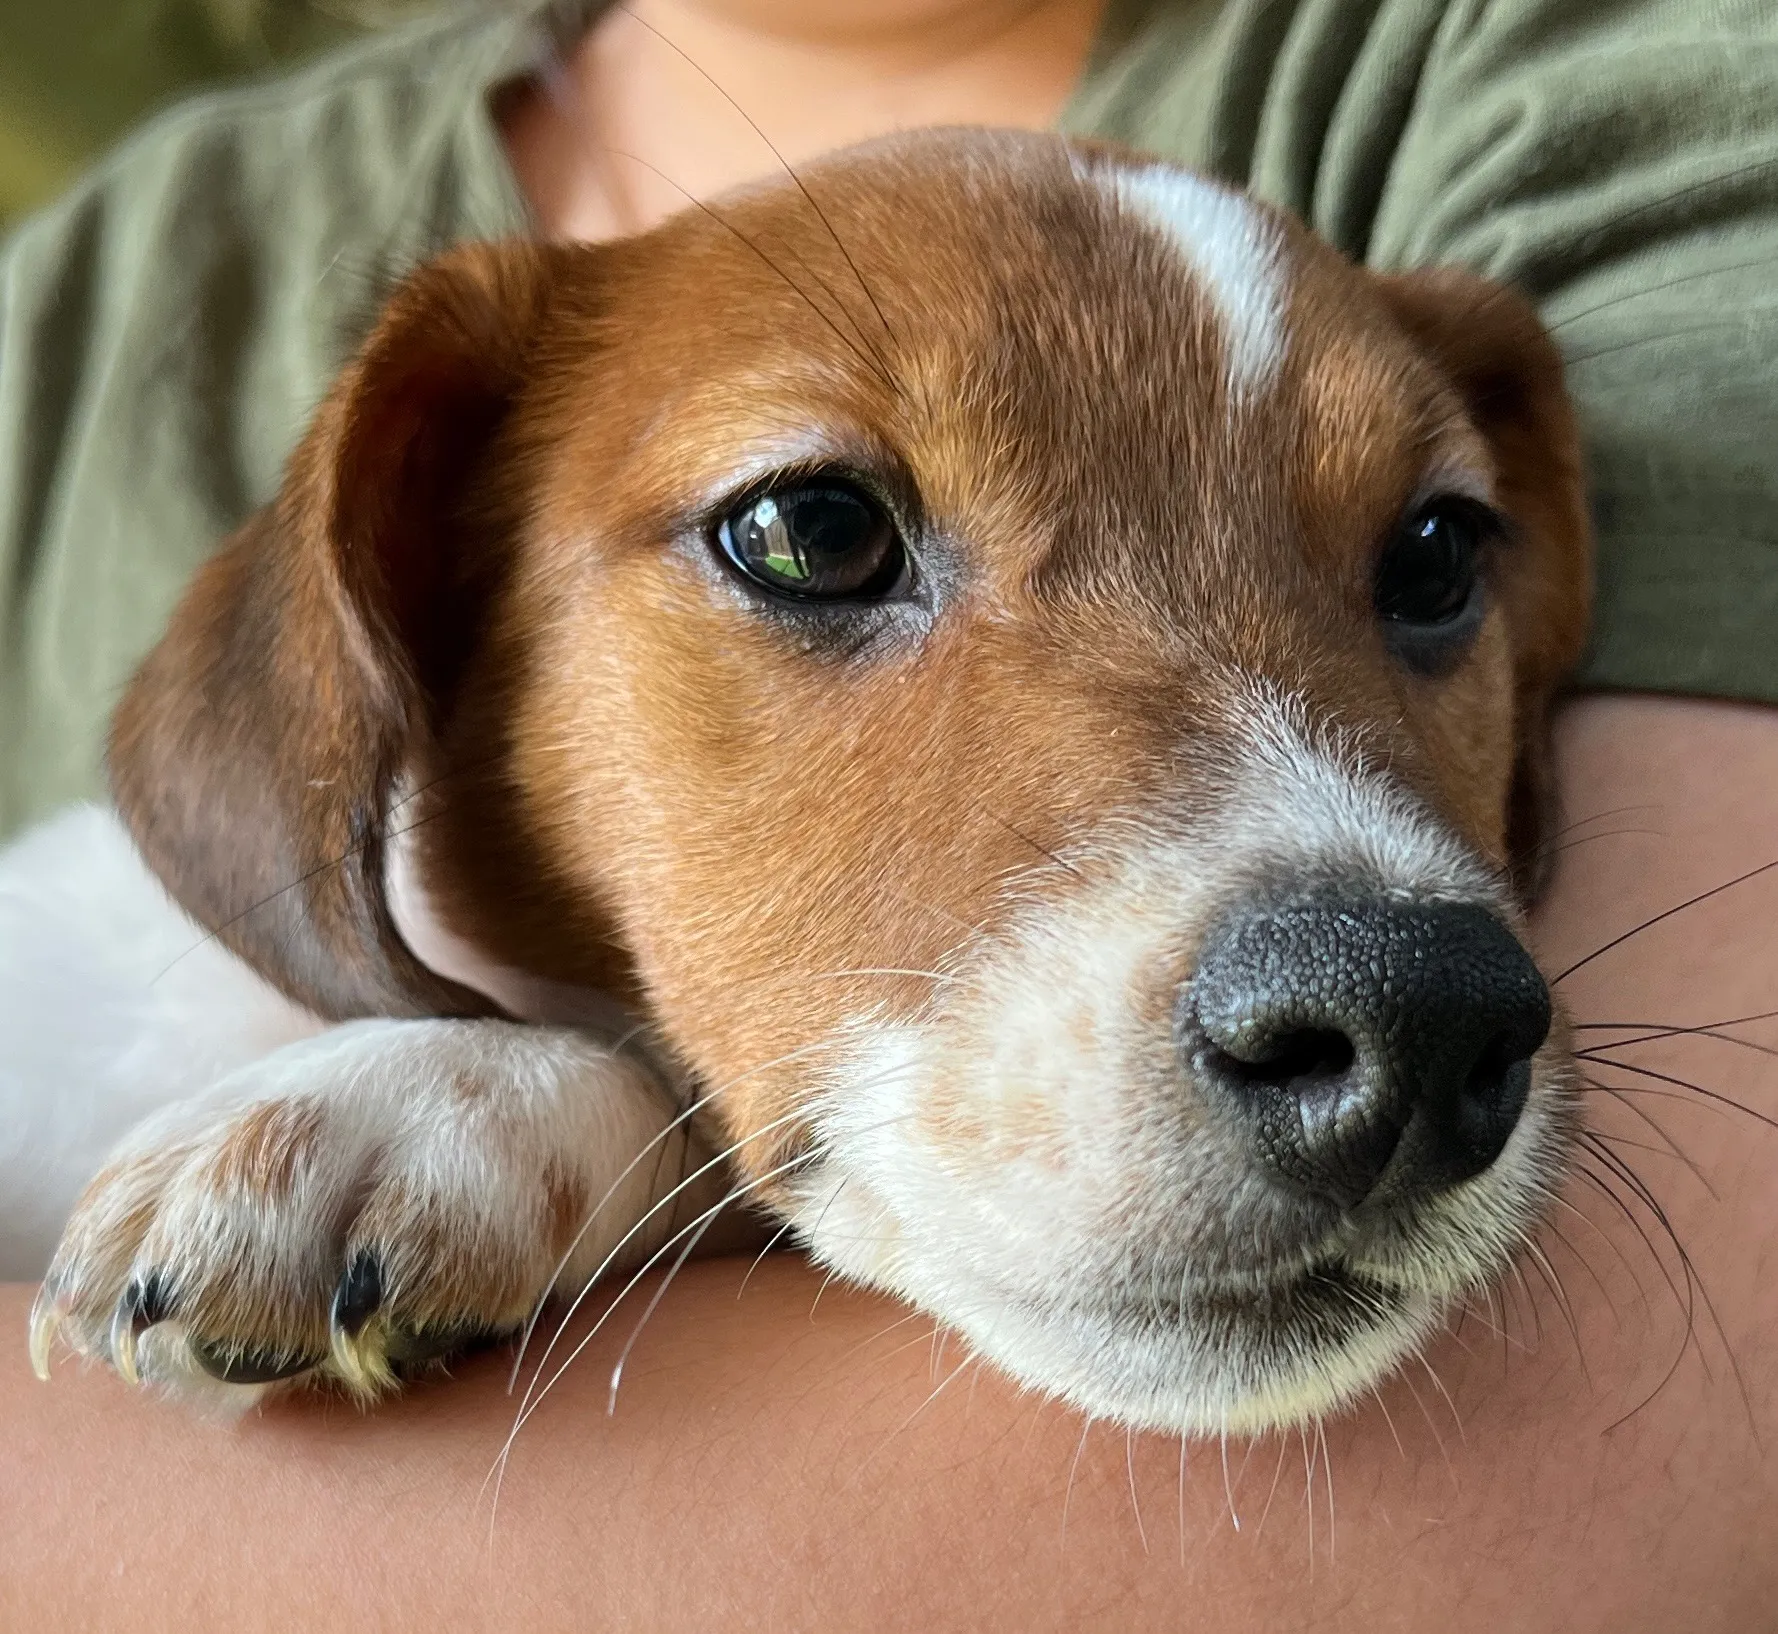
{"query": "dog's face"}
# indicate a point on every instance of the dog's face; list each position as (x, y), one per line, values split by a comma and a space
(1027, 665)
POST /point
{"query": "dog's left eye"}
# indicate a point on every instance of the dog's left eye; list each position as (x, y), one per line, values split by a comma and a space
(1428, 588)
(1428, 574)
(823, 542)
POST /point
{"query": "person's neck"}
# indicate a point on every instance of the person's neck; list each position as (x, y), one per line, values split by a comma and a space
(639, 117)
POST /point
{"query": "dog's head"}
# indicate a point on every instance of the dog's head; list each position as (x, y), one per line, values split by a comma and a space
(1029, 667)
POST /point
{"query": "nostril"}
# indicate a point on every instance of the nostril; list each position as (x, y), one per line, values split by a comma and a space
(1354, 1037)
(1487, 1111)
(1493, 1067)
(1313, 1100)
(1284, 1058)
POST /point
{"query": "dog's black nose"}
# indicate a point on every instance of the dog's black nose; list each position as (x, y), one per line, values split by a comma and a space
(1367, 1041)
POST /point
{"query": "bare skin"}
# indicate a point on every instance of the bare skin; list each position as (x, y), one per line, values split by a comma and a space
(667, 100)
(769, 1468)
(766, 1469)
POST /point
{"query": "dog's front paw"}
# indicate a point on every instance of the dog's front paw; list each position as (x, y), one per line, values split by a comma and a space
(363, 1203)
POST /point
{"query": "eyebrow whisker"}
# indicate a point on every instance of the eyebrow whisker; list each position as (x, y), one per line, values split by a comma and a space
(788, 168)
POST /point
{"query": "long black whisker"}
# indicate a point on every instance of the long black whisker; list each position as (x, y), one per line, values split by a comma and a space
(1572, 359)
(1622, 1168)
(1517, 1271)
(1659, 1030)
(833, 295)
(1684, 1301)
(1561, 848)
(1624, 1142)
(789, 170)
(859, 348)
(1669, 1145)
(1657, 289)
(875, 361)
(1695, 1285)
(1547, 1274)
(379, 836)
(1668, 913)
(1602, 1185)
(1036, 845)
(1703, 185)
(1586, 1265)
(1597, 1059)
(1600, 816)
(1622, 1171)
(1605, 1237)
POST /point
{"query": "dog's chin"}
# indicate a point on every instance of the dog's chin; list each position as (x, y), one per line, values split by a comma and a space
(1240, 1356)
(1213, 1362)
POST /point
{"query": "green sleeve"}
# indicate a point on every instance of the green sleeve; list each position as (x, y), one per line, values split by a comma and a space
(75, 76)
(1617, 159)
(165, 333)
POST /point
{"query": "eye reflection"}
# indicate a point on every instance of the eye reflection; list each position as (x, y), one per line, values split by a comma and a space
(1430, 572)
(819, 543)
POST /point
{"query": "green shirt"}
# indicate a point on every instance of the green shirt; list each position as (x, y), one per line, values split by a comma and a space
(166, 329)
(75, 74)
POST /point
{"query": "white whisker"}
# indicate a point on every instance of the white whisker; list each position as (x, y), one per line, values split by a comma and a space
(1068, 1491)
(641, 1223)
(685, 1253)
(1130, 1470)
(529, 1404)
(630, 1168)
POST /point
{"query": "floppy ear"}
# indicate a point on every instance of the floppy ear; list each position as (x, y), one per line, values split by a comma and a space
(1489, 343)
(256, 753)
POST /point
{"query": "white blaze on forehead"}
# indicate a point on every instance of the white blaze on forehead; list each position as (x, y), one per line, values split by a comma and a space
(1236, 252)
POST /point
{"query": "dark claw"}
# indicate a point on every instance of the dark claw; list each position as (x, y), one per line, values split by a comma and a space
(143, 1303)
(147, 1301)
(359, 1295)
(408, 1347)
(233, 1365)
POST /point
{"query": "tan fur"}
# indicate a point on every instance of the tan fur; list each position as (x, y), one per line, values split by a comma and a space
(263, 1154)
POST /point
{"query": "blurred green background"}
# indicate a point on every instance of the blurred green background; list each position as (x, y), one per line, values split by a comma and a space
(76, 74)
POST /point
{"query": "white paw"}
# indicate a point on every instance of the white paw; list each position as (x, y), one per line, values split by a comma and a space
(357, 1205)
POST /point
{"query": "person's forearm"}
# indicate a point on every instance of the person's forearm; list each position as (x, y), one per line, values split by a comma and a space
(769, 1469)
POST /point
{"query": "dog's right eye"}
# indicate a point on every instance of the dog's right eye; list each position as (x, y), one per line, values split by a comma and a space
(823, 542)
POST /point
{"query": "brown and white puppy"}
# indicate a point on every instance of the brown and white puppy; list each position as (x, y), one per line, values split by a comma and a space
(1025, 669)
